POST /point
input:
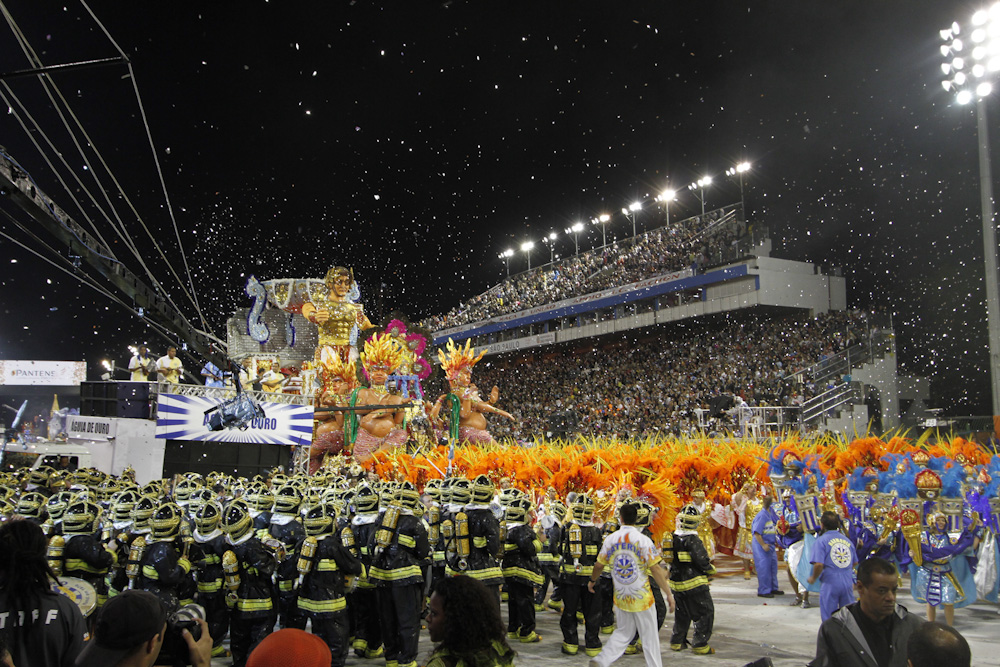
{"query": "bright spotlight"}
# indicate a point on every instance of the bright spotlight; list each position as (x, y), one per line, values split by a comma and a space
(634, 206)
(963, 97)
(959, 79)
(947, 85)
(978, 71)
(527, 245)
(945, 50)
(604, 217)
(980, 17)
(577, 227)
(984, 89)
(958, 63)
(956, 45)
(552, 236)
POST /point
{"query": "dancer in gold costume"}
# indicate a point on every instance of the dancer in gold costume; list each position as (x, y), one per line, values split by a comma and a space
(334, 314)
(745, 505)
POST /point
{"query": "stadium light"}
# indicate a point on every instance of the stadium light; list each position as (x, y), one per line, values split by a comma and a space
(602, 220)
(666, 197)
(632, 212)
(575, 230)
(506, 255)
(526, 249)
(698, 187)
(972, 71)
(739, 170)
(550, 240)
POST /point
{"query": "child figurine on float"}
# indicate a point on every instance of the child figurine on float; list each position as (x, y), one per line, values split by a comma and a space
(336, 314)
(338, 381)
(380, 428)
(457, 365)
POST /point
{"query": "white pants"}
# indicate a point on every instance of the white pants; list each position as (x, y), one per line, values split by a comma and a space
(793, 554)
(626, 624)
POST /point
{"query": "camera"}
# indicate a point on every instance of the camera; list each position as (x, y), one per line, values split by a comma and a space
(175, 650)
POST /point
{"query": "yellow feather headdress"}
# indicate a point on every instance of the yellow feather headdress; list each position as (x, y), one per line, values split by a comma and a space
(381, 351)
(458, 358)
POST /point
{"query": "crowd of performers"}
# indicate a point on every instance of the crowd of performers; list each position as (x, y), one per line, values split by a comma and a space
(356, 557)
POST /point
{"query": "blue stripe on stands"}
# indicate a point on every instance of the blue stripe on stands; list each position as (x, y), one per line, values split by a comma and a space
(719, 276)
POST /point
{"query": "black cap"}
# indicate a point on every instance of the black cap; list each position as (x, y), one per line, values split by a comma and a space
(126, 621)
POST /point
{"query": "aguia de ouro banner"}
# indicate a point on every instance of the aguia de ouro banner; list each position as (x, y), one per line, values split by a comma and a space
(184, 418)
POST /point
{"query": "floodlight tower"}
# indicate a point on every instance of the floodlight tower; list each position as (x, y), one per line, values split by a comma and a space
(698, 187)
(575, 230)
(972, 68)
(506, 255)
(631, 212)
(666, 197)
(739, 170)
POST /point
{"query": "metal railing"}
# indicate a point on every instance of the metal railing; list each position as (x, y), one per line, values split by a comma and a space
(831, 399)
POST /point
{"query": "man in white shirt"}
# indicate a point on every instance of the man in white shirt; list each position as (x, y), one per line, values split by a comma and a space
(633, 559)
(169, 367)
(141, 365)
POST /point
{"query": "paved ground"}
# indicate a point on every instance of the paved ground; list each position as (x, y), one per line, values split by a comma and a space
(746, 628)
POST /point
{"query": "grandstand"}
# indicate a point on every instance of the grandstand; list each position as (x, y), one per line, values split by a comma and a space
(658, 333)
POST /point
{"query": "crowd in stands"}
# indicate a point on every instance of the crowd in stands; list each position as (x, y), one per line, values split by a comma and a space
(649, 386)
(696, 243)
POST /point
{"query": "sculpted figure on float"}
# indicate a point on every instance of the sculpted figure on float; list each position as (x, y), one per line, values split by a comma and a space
(335, 313)
(338, 385)
(457, 364)
(379, 428)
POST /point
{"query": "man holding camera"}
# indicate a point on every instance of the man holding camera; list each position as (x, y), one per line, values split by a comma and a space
(130, 631)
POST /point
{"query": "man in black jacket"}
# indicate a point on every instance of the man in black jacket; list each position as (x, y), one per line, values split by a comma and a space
(873, 631)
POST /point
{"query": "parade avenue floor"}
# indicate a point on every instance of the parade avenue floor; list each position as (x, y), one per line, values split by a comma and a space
(746, 628)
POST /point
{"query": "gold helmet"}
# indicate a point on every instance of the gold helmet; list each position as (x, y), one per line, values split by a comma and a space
(518, 509)
(123, 503)
(288, 499)
(207, 517)
(236, 521)
(366, 499)
(31, 504)
(461, 491)
(583, 508)
(166, 521)
(689, 517)
(319, 520)
(407, 497)
(482, 490)
(57, 504)
(80, 518)
(142, 512)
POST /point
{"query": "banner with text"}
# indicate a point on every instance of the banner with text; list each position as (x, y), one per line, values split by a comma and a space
(91, 428)
(184, 418)
(52, 373)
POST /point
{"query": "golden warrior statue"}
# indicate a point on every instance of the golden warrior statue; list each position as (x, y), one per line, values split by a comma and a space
(457, 365)
(335, 314)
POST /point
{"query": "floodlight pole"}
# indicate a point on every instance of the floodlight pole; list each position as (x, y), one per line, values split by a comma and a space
(989, 252)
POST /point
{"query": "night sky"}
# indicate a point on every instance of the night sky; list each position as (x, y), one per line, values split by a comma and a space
(414, 141)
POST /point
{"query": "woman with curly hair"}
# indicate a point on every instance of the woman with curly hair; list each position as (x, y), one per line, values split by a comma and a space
(464, 619)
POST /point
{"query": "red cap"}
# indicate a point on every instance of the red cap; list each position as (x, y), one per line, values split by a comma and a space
(291, 647)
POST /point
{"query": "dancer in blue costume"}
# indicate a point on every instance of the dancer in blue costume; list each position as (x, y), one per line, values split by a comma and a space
(944, 578)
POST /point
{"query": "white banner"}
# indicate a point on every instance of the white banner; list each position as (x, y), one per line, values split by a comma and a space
(91, 428)
(183, 418)
(53, 373)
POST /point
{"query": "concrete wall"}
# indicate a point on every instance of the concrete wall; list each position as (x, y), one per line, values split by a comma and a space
(881, 374)
(134, 444)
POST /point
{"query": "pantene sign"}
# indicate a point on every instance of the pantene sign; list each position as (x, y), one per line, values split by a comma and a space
(54, 373)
